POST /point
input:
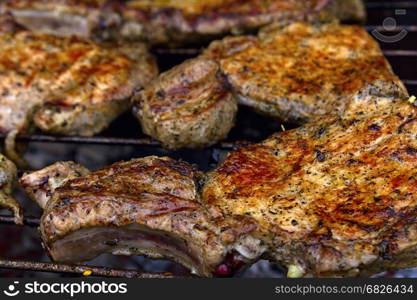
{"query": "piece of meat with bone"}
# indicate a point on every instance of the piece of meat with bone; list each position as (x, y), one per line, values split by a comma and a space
(300, 72)
(336, 197)
(8, 179)
(172, 22)
(189, 106)
(66, 85)
(148, 206)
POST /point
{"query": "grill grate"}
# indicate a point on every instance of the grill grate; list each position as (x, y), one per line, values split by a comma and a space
(396, 53)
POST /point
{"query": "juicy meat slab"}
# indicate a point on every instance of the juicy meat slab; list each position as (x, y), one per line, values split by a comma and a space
(296, 73)
(8, 179)
(172, 22)
(66, 85)
(189, 106)
(148, 206)
(98, 88)
(336, 197)
(299, 72)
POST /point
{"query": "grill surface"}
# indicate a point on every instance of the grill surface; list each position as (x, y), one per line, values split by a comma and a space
(250, 128)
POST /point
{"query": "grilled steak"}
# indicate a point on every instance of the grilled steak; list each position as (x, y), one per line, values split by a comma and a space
(66, 85)
(8, 178)
(301, 72)
(147, 206)
(188, 106)
(171, 21)
(335, 197)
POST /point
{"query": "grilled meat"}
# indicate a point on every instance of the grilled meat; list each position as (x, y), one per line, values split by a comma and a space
(66, 85)
(147, 206)
(335, 197)
(42, 184)
(172, 22)
(301, 72)
(188, 106)
(8, 178)
(88, 97)
(296, 73)
(332, 198)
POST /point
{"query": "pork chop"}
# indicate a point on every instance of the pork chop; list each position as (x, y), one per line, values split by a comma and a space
(172, 22)
(190, 106)
(301, 72)
(336, 197)
(148, 206)
(66, 85)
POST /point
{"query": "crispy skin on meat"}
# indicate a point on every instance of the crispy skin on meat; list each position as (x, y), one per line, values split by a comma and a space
(336, 197)
(303, 71)
(8, 178)
(189, 106)
(147, 206)
(172, 22)
(67, 85)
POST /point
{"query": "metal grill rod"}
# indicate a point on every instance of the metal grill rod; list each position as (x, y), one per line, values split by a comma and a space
(145, 142)
(28, 221)
(80, 270)
(193, 52)
(392, 4)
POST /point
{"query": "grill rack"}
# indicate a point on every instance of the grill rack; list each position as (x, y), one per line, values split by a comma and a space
(73, 269)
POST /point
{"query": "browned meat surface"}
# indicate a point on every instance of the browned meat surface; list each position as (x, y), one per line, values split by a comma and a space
(148, 206)
(85, 99)
(295, 73)
(172, 22)
(189, 106)
(8, 178)
(66, 85)
(41, 185)
(299, 72)
(336, 197)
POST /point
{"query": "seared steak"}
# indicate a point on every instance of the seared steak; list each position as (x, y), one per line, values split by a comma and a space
(300, 72)
(66, 85)
(147, 206)
(8, 178)
(171, 22)
(189, 106)
(336, 197)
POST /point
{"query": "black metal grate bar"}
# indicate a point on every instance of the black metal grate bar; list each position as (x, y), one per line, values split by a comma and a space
(144, 142)
(79, 270)
(194, 52)
(28, 221)
(391, 4)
